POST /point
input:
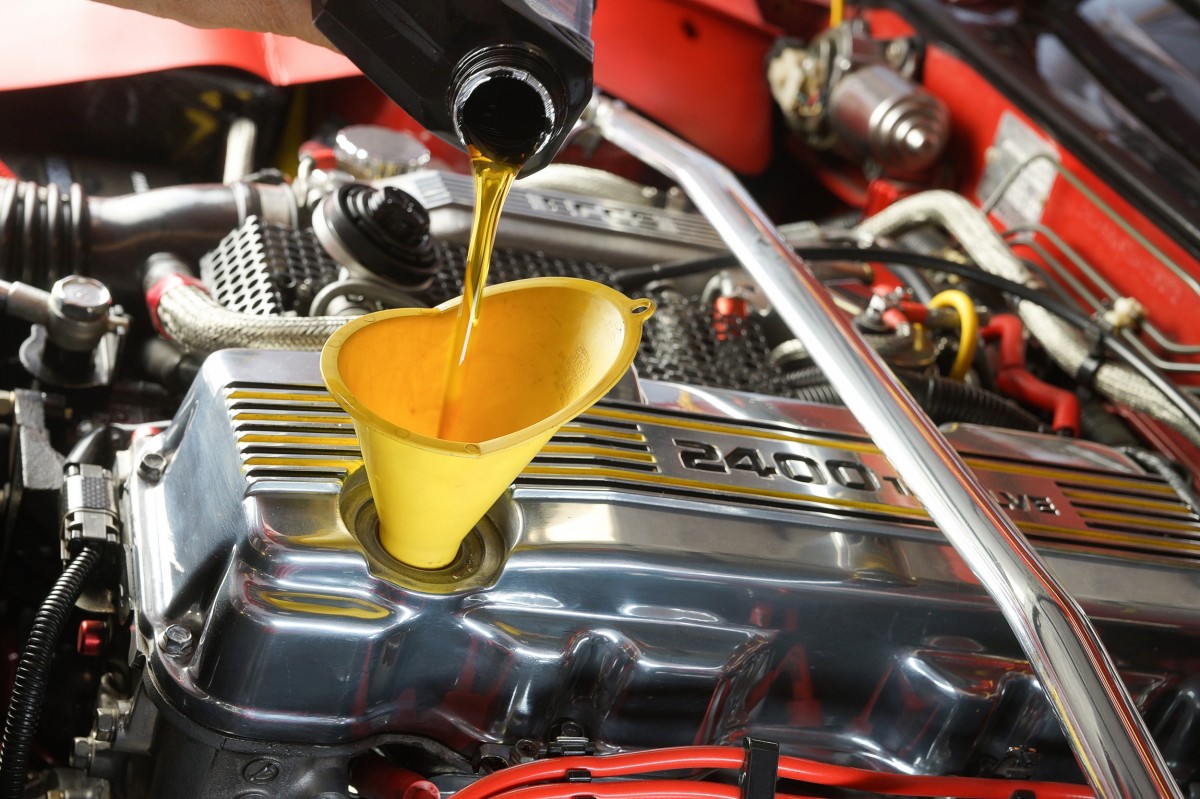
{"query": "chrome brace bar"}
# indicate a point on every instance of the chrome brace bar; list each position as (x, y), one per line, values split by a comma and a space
(1102, 724)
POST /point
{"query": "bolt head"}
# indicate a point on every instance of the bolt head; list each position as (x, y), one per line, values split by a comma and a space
(152, 466)
(107, 720)
(177, 641)
(81, 753)
(261, 771)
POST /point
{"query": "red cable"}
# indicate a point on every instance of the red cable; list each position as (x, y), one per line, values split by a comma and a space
(608, 766)
(658, 789)
(714, 757)
(1015, 380)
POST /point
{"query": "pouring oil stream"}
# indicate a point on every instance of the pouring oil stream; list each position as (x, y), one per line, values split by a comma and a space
(493, 179)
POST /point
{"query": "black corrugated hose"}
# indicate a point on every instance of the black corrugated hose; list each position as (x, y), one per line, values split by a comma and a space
(943, 399)
(33, 671)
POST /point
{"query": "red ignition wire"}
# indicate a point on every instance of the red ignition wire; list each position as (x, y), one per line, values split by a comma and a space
(637, 789)
(794, 768)
(1015, 380)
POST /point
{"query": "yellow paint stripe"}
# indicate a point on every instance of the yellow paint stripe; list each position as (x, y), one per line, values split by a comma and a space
(1128, 502)
(1136, 541)
(316, 463)
(299, 440)
(588, 430)
(1075, 477)
(606, 452)
(1140, 521)
(292, 417)
(660, 480)
(281, 396)
(730, 430)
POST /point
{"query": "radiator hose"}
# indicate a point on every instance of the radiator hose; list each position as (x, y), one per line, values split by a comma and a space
(33, 671)
(943, 399)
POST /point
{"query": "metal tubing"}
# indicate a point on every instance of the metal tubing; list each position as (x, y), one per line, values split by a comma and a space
(1101, 722)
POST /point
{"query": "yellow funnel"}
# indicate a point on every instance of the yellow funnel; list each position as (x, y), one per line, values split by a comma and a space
(544, 351)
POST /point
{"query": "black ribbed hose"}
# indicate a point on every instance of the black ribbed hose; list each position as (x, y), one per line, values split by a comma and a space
(1097, 424)
(943, 399)
(33, 671)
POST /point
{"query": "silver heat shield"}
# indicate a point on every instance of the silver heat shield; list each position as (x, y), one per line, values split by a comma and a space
(682, 568)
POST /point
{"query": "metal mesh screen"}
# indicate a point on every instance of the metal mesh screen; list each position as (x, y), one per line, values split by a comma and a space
(263, 269)
(267, 270)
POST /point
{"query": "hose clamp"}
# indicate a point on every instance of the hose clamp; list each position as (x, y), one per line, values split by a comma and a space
(155, 294)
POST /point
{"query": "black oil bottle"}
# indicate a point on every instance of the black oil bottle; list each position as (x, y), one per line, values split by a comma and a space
(508, 78)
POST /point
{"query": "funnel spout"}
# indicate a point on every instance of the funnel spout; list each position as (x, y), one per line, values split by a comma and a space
(544, 351)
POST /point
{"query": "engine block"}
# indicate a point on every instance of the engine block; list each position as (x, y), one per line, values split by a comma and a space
(678, 566)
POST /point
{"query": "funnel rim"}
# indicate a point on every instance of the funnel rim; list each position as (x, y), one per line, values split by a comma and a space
(634, 311)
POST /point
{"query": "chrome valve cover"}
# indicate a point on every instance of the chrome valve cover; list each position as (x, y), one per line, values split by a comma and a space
(682, 568)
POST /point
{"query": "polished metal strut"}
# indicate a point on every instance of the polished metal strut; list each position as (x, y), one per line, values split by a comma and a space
(1101, 722)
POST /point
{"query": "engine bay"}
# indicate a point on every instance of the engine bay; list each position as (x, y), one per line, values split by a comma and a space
(715, 567)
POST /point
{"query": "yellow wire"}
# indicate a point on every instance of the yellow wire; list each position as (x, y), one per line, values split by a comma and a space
(968, 328)
(835, 12)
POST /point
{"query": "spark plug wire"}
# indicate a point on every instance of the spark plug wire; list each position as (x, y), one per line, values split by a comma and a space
(503, 784)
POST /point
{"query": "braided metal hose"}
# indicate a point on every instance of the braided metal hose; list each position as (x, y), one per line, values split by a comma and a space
(1067, 346)
(200, 325)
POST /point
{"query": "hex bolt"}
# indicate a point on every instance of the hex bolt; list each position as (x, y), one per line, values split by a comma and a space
(177, 641)
(571, 729)
(261, 771)
(107, 719)
(81, 753)
(527, 749)
(152, 466)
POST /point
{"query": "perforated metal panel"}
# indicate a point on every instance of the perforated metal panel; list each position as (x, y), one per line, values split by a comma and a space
(264, 269)
(267, 270)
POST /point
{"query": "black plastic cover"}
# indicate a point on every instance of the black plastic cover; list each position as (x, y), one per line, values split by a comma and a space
(415, 52)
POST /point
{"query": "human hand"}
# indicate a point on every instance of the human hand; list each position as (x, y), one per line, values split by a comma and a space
(285, 17)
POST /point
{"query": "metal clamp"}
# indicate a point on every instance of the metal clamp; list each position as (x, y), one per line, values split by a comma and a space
(761, 770)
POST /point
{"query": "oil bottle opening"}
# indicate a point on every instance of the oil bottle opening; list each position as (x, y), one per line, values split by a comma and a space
(504, 113)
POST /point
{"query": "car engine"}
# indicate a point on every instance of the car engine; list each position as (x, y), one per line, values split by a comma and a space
(720, 579)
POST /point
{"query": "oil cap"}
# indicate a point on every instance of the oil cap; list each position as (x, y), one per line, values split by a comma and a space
(382, 232)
